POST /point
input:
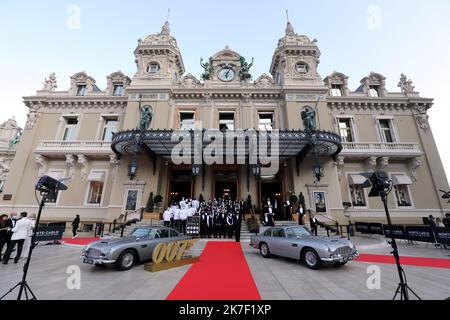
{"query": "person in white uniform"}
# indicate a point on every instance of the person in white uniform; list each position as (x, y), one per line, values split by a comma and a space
(167, 216)
(20, 233)
(27, 243)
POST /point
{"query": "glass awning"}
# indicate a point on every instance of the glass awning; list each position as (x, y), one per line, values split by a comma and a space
(288, 144)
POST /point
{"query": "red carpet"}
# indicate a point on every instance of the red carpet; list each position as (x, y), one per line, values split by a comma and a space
(221, 274)
(407, 261)
(79, 241)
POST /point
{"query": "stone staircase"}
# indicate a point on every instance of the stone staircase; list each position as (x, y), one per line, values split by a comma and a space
(245, 233)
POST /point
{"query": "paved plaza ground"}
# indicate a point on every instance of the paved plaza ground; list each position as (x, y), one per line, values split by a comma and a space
(275, 278)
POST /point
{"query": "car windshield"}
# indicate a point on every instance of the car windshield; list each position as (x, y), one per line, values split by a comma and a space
(141, 232)
(297, 232)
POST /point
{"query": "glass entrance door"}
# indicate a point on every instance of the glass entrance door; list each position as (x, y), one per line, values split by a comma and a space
(273, 192)
(180, 186)
(226, 185)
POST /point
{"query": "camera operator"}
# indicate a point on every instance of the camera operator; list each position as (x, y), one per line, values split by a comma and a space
(5, 227)
(446, 220)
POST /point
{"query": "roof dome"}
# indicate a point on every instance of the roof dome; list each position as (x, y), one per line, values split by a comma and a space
(162, 38)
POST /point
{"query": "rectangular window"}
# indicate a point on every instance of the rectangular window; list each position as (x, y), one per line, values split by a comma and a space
(266, 121)
(118, 90)
(226, 121)
(95, 192)
(402, 195)
(81, 90)
(386, 130)
(346, 130)
(336, 90)
(374, 91)
(110, 127)
(70, 129)
(357, 195)
(187, 121)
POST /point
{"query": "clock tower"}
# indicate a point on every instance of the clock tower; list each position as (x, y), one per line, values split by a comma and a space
(296, 60)
(158, 59)
(226, 68)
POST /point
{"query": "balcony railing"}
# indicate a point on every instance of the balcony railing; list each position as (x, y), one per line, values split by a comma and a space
(74, 147)
(381, 149)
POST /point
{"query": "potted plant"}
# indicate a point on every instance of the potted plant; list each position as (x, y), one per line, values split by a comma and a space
(253, 224)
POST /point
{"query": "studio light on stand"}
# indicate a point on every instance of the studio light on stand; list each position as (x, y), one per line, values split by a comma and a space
(49, 189)
(381, 187)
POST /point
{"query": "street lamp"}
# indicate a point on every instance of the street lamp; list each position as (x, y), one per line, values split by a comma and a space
(196, 170)
(256, 170)
(318, 170)
(132, 169)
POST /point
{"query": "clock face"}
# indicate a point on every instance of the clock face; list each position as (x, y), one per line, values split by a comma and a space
(226, 74)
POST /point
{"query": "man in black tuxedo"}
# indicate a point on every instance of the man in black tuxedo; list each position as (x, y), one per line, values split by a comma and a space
(446, 220)
(209, 225)
(237, 223)
(203, 226)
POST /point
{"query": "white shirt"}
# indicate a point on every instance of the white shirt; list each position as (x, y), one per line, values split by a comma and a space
(22, 229)
(184, 214)
(176, 214)
(167, 215)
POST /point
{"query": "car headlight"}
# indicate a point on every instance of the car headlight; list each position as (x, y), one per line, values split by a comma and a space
(84, 250)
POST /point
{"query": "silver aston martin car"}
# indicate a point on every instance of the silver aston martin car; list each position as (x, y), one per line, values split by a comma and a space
(299, 243)
(125, 252)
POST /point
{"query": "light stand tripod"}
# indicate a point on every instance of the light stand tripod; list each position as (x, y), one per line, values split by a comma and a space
(23, 286)
(403, 289)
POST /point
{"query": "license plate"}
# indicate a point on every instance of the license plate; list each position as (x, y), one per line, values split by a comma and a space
(88, 261)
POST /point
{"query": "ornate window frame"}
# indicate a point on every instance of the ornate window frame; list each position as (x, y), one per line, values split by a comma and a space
(353, 126)
(102, 121)
(394, 130)
(88, 189)
(408, 188)
(365, 192)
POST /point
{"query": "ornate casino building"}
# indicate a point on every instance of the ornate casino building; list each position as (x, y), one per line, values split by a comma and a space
(115, 144)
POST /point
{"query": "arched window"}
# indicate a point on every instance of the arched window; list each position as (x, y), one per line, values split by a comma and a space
(153, 67)
(302, 67)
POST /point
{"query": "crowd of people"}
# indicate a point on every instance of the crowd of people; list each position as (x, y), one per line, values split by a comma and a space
(16, 231)
(218, 218)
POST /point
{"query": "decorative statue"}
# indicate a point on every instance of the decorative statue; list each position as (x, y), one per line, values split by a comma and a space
(165, 29)
(50, 84)
(207, 66)
(405, 84)
(309, 119)
(16, 140)
(146, 117)
(245, 68)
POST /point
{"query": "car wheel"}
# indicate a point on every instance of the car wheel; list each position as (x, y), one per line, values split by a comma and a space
(126, 260)
(311, 259)
(264, 249)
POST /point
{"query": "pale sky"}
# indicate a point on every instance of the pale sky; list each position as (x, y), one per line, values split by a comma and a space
(356, 37)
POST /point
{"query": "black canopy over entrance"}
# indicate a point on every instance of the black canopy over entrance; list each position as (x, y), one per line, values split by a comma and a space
(291, 144)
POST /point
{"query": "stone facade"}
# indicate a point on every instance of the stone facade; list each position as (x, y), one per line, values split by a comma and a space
(68, 134)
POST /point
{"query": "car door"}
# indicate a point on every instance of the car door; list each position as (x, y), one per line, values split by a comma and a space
(276, 242)
(164, 235)
(145, 245)
(292, 245)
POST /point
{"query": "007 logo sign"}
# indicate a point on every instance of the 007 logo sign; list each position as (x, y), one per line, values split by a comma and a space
(173, 251)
